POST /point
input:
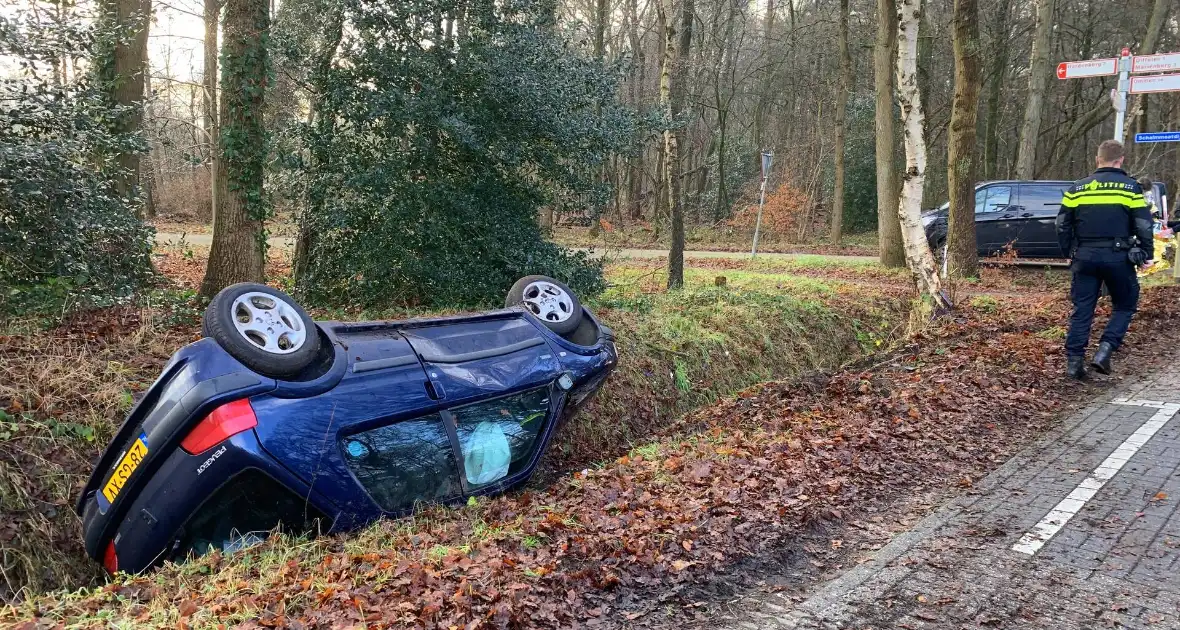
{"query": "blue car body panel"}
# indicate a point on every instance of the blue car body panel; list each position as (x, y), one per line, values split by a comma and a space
(371, 375)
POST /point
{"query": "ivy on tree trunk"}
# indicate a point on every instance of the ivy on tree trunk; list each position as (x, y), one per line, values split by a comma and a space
(239, 241)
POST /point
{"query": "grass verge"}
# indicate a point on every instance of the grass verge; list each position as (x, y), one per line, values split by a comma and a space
(64, 390)
(622, 541)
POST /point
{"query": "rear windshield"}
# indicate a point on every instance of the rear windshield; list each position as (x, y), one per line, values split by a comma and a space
(243, 513)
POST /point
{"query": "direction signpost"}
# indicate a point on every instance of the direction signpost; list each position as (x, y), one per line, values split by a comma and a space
(1125, 65)
(1084, 69)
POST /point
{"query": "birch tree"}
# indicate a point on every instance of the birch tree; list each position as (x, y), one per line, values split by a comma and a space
(917, 251)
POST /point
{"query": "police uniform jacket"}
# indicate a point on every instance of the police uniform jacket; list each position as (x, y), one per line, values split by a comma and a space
(1103, 211)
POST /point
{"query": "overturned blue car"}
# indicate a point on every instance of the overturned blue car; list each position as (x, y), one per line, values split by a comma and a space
(274, 421)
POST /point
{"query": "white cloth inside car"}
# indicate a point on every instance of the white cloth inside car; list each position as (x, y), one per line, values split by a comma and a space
(486, 454)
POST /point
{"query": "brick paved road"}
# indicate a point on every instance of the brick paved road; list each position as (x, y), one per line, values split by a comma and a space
(1113, 561)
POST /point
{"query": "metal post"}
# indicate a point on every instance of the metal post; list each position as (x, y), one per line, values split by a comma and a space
(767, 160)
(1124, 86)
(758, 223)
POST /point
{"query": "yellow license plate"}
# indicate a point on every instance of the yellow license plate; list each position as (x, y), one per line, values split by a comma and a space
(127, 465)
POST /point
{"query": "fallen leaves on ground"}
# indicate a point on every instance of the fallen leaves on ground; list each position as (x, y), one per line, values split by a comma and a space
(732, 481)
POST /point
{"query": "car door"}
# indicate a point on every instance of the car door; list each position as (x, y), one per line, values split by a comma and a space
(991, 203)
(1033, 220)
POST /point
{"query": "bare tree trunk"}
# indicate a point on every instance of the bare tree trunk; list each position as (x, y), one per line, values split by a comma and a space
(638, 77)
(1038, 79)
(334, 33)
(991, 133)
(123, 76)
(600, 22)
(841, 126)
(148, 174)
(209, 81)
(1155, 26)
(917, 252)
(672, 92)
(238, 251)
(888, 228)
(962, 256)
(767, 81)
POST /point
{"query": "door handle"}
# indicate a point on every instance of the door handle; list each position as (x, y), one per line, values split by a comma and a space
(1007, 216)
(1026, 215)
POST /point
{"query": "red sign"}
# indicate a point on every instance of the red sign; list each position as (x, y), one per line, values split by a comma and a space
(1089, 68)
(1166, 62)
(1155, 83)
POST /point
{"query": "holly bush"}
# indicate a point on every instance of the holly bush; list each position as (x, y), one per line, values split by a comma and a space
(67, 239)
(433, 153)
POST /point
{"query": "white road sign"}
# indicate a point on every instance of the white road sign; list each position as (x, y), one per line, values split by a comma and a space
(1157, 83)
(1156, 63)
(1089, 68)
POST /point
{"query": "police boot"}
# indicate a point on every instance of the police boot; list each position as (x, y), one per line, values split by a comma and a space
(1076, 368)
(1101, 360)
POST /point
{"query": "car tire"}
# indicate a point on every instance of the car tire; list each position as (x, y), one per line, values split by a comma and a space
(262, 327)
(549, 300)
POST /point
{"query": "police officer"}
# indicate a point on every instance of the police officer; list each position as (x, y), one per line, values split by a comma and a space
(1104, 225)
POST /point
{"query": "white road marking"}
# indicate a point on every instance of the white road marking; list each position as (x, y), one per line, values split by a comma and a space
(1036, 538)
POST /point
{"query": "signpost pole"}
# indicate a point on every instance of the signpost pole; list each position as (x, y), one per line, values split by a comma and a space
(1120, 114)
(767, 159)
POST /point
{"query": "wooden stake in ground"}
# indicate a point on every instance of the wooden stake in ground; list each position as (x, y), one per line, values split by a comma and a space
(917, 251)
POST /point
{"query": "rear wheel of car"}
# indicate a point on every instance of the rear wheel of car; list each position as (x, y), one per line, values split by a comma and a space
(262, 327)
(549, 301)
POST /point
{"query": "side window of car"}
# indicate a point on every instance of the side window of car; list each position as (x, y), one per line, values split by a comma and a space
(242, 513)
(1043, 197)
(404, 462)
(414, 460)
(992, 199)
(498, 437)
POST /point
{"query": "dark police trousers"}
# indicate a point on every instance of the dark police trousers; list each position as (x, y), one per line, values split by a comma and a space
(1092, 267)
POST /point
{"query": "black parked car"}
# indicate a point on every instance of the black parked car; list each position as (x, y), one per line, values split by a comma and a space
(1022, 213)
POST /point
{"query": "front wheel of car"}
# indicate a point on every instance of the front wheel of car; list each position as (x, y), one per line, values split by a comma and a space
(549, 301)
(262, 327)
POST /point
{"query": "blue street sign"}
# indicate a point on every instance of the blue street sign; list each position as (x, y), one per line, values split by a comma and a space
(1158, 136)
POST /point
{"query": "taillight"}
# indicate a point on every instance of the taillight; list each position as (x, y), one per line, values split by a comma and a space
(109, 561)
(225, 422)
